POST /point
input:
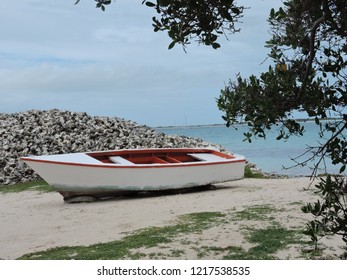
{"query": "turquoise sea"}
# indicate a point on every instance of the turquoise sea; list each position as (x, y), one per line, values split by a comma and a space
(270, 155)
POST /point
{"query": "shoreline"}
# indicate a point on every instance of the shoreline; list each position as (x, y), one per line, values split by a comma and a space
(33, 221)
(221, 124)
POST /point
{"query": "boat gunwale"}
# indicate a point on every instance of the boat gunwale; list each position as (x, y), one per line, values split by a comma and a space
(154, 165)
(226, 160)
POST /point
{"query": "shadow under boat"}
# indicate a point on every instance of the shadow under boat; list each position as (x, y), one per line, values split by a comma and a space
(141, 194)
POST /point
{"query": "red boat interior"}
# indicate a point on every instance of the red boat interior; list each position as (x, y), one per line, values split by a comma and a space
(154, 157)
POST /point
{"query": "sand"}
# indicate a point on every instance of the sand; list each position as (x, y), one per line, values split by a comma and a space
(33, 221)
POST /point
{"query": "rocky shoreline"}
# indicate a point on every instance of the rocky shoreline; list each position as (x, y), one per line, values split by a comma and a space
(38, 132)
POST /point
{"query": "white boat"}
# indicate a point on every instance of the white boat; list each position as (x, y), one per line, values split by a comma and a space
(110, 173)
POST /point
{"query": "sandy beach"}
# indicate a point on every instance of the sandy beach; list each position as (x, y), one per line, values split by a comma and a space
(32, 221)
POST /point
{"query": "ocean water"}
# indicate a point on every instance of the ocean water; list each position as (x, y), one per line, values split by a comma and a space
(270, 155)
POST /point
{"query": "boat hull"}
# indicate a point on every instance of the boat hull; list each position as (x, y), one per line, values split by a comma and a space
(72, 180)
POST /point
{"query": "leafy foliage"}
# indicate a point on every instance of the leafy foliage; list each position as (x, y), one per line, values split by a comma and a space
(308, 49)
(331, 214)
(185, 20)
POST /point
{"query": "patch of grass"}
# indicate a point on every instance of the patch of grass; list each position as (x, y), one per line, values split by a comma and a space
(157, 256)
(295, 203)
(257, 212)
(149, 237)
(27, 186)
(198, 222)
(208, 251)
(250, 174)
(137, 256)
(269, 241)
(176, 253)
(112, 250)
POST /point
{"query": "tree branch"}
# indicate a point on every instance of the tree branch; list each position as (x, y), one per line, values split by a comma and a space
(312, 53)
(322, 150)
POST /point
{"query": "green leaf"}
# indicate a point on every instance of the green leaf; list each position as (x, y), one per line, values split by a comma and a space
(150, 4)
(164, 3)
(279, 137)
(235, 11)
(272, 13)
(172, 44)
(215, 45)
(343, 168)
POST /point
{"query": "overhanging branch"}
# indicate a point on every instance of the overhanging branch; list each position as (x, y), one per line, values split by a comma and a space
(312, 53)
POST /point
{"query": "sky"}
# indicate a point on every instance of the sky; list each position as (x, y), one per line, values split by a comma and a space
(54, 54)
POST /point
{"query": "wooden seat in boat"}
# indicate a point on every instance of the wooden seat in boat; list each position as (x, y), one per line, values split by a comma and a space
(207, 157)
(120, 160)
